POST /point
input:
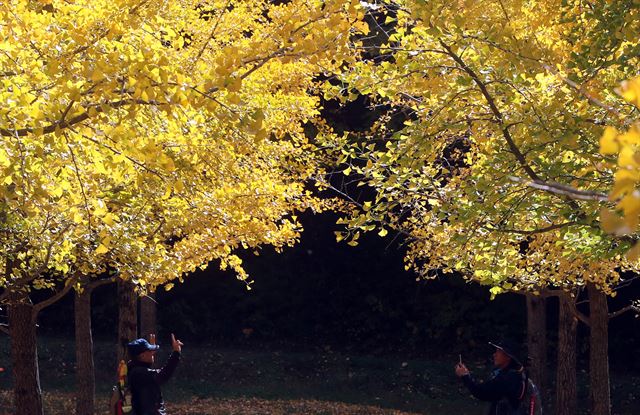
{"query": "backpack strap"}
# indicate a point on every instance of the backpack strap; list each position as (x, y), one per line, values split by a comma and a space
(525, 381)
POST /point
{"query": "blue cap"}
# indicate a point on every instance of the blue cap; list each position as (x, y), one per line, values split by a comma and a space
(139, 346)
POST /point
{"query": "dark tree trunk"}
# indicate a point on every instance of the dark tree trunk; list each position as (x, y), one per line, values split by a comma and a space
(128, 318)
(24, 354)
(537, 339)
(599, 352)
(566, 394)
(148, 319)
(85, 374)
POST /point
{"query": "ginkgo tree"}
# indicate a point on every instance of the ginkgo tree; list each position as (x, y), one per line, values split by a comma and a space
(250, 202)
(502, 106)
(151, 137)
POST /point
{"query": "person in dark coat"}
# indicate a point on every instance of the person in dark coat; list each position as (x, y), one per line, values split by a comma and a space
(144, 382)
(506, 386)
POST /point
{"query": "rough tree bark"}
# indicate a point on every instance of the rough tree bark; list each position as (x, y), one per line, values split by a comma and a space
(85, 373)
(24, 354)
(127, 319)
(537, 339)
(566, 390)
(599, 352)
(148, 315)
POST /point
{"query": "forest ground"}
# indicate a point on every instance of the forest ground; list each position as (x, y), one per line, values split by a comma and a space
(244, 381)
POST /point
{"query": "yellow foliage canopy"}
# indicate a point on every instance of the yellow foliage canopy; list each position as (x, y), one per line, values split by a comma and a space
(152, 137)
(503, 105)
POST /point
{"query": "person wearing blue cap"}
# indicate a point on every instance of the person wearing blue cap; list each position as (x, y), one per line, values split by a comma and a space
(506, 387)
(144, 382)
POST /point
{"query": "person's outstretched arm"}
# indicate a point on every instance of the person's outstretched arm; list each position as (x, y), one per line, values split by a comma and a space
(163, 374)
(491, 390)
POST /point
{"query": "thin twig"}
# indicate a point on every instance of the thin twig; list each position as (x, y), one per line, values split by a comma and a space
(561, 189)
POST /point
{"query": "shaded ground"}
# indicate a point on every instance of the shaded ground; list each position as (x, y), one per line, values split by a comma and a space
(222, 381)
(63, 403)
(413, 386)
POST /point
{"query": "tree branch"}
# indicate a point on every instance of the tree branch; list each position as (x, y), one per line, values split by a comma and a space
(46, 303)
(551, 293)
(21, 132)
(579, 315)
(578, 88)
(630, 307)
(261, 63)
(213, 32)
(495, 110)
(77, 169)
(561, 189)
(100, 283)
(581, 91)
(535, 231)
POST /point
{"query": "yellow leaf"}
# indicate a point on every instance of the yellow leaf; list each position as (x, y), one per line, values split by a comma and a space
(77, 217)
(96, 75)
(634, 253)
(383, 232)
(630, 204)
(234, 84)
(627, 158)
(613, 223)
(100, 210)
(621, 186)
(362, 26)
(631, 91)
(608, 142)
(167, 193)
(101, 249)
(234, 99)
(108, 219)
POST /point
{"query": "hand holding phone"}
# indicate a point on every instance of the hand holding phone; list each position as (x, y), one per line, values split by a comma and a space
(461, 369)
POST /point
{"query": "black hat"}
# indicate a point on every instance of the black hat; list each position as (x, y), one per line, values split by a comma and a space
(139, 346)
(510, 348)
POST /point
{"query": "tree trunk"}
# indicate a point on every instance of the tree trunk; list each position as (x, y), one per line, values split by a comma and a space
(148, 315)
(85, 373)
(599, 352)
(566, 391)
(128, 318)
(24, 354)
(537, 339)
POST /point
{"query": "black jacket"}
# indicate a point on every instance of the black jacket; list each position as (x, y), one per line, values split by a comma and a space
(144, 384)
(504, 390)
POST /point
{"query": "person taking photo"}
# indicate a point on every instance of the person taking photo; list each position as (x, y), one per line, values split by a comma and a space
(144, 381)
(506, 387)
